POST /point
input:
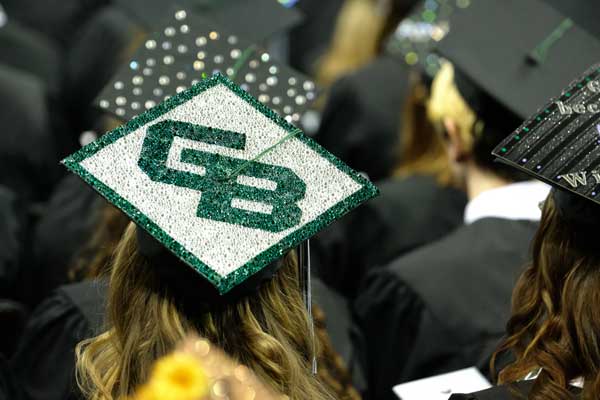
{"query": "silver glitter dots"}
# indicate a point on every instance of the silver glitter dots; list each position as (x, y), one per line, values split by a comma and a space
(218, 59)
(244, 87)
(151, 62)
(288, 118)
(134, 65)
(150, 44)
(170, 31)
(273, 69)
(104, 103)
(201, 55)
(168, 60)
(214, 35)
(276, 100)
(181, 75)
(167, 45)
(310, 96)
(198, 65)
(295, 117)
(292, 81)
(232, 40)
(180, 89)
(272, 81)
(300, 100)
(229, 71)
(200, 41)
(137, 80)
(180, 15)
(235, 53)
(163, 80)
(195, 81)
(120, 112)
(184, 28)
(265, 57)
(291, 92)
(147, 71)
(308, 86)
(182, 49)
(253, 64)
(287, 109)
(118, 85)
(120, 101)
(157, 92)
(263, 98)
(250, 77)
(263, 87)
(135, 105)
(137, 91)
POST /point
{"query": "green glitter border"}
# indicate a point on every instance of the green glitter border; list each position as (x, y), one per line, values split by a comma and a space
(226, 283)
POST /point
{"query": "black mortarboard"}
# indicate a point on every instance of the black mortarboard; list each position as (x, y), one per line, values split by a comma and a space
(255, 20)
(520, 52)
(560, 145)
(186, 50)
(415, 38)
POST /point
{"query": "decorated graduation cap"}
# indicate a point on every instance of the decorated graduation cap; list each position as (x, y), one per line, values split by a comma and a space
(560, 145)
(188, 48)
(220, 180)
(414, 40)
(256, 20)
(516, 53)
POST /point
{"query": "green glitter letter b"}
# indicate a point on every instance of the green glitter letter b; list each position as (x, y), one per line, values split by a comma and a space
(218, 194)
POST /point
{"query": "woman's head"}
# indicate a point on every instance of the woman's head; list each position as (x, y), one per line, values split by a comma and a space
(267, 331)
(555, 324)
(470, 135)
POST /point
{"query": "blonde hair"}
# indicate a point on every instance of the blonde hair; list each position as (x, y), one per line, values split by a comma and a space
(267, 331)
(354, 42)
(446, 102)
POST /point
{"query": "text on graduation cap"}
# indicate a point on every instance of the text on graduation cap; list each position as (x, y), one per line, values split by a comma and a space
(576, 179)
(261, 196)
(580, 108)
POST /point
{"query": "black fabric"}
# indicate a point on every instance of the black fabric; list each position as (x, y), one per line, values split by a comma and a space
(9, 389)
(58, 19)
(28, 161)
(44, 364)
(436, 309)
(61, 232)
(515, 391)
(30, 51)
(11, 241)
(408, 213)
(362, 117)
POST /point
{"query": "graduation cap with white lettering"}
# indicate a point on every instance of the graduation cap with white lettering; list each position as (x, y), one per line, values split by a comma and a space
(560, 145)
(220, 180)
(189, 48)
(415, 38)
(255, 20)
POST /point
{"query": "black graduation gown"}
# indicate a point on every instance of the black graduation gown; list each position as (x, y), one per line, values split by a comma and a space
(439, 308)
(361, 120)
(11, 238)
(62, 231)
(408, 213)
(44, 364)
(516, 391)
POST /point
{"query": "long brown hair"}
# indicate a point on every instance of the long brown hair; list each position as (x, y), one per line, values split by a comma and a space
(555, 323)
(267, 331)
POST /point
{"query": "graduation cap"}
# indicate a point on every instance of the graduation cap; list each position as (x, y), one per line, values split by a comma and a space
(560, 144)
(518, 52)
(415, 38)
(255, 20)
(188, 48)
(220, 180)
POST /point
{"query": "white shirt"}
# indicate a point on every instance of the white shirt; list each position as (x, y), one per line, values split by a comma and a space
(516, 201)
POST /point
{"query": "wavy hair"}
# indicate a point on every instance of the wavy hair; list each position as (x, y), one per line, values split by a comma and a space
(267, 331)
(555, 322)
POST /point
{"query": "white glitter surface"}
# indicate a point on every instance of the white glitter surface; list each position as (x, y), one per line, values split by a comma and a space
(222, 246)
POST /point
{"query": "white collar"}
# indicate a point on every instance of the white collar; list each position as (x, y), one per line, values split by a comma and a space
(516, 201)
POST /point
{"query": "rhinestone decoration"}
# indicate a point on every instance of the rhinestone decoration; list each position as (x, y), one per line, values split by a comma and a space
(563, 138)
(186, 50)
(225, 253)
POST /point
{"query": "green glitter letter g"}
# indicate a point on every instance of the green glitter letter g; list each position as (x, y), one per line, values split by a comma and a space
(217, 193)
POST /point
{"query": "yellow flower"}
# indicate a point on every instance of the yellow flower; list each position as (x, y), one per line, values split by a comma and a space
(175, 377)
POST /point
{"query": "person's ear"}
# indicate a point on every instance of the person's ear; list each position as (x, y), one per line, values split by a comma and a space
(455, 143)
